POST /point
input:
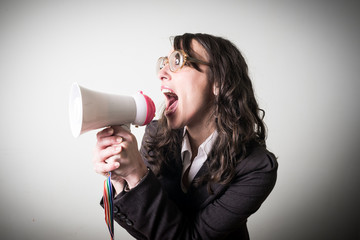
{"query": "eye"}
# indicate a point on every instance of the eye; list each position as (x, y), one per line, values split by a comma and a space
(162, 64)
(177, 59)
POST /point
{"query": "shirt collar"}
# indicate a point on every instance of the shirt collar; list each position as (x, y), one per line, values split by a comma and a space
(205, 147)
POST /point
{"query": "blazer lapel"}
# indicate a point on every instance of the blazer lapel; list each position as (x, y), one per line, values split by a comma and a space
(200, 194)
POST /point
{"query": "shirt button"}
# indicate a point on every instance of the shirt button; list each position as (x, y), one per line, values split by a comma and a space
(129, 222)
(115, 210)
(121, 216)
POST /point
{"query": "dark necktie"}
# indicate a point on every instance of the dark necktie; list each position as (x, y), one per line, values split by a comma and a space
(185, 178)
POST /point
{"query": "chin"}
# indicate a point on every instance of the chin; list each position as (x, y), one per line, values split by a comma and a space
(172, 123)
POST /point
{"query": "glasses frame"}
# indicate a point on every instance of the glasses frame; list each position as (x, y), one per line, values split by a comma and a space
(165, 60)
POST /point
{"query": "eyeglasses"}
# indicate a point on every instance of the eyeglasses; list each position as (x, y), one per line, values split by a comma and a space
(176, 60)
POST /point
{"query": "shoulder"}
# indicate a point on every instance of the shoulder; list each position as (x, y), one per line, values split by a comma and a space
(151, 131)
(259, 159)
(256, 174)
(152, 127)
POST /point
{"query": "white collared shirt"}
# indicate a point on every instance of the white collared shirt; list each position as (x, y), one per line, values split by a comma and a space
(203, 152)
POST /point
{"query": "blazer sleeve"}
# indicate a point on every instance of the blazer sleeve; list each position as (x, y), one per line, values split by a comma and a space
(229, 210)
(146, 211)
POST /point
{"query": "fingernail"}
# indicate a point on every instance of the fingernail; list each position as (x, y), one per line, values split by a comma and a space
(119, 139)
(117, 164)
(111, 131)
(117, 148)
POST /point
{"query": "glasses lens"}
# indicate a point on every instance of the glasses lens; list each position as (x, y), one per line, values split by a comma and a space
(176, 60)
(160, 63)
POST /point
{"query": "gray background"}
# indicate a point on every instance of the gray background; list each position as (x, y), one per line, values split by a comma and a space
(303, 58)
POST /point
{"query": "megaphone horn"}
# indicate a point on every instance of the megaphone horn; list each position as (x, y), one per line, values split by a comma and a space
(89, 110)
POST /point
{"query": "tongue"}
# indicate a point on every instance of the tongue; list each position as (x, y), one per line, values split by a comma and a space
(172, 105)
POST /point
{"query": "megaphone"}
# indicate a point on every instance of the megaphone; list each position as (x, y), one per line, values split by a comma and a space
(89, 110)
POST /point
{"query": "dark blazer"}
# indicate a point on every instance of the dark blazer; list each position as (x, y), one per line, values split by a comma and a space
(158, 209)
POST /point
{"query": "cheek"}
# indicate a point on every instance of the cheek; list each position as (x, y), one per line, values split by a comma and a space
(195, 90)
(197, 99)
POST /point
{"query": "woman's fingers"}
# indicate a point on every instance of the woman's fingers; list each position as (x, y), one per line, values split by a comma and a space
(109, 152)
(106, 132)
(109, 165)
(104, 142)
(116, 151)
(121, 130)
(113, 135)
(102, 155)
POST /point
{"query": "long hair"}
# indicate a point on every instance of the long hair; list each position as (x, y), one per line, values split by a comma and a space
(238, 119)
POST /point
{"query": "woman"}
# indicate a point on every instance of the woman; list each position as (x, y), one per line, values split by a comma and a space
(203, 168)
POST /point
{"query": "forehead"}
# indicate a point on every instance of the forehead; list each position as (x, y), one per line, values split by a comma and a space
(198, 51)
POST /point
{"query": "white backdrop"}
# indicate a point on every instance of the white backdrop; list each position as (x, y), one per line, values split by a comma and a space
(304, 60)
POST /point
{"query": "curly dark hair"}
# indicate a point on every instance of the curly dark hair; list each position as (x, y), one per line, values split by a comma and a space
(238, 119)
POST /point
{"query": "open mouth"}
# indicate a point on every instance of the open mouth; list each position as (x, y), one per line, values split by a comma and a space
(171, 101)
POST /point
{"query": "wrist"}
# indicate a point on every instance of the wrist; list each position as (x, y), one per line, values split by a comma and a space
(118, 185)
(133, 180)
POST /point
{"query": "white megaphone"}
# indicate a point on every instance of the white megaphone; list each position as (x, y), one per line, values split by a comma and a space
(89, 110)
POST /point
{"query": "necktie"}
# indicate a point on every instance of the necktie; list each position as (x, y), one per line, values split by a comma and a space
(185, 179)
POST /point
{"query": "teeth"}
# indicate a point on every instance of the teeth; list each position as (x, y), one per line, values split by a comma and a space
(164, 90)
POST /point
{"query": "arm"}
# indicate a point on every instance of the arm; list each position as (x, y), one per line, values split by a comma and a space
(148, 211)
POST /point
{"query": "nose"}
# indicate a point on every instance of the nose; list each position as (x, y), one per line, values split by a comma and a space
(164, 73)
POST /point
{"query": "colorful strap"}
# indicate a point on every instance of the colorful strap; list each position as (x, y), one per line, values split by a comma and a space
(108, 206)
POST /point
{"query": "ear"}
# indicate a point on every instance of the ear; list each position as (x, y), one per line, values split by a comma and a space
(215, 89)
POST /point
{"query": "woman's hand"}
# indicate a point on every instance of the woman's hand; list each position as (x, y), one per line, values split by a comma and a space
(132, 168)
(117, 151)
(105, 158)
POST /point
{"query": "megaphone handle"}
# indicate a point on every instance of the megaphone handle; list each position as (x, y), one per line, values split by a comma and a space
(126, 127)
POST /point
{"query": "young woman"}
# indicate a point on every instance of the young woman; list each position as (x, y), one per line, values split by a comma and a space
(203, 168)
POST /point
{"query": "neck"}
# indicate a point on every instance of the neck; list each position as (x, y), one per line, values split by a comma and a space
(198, 134)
